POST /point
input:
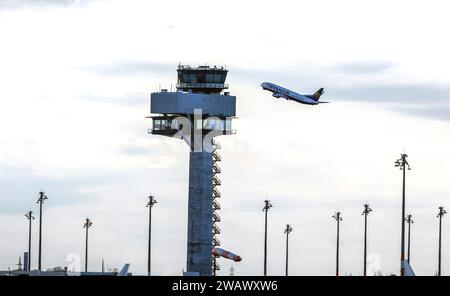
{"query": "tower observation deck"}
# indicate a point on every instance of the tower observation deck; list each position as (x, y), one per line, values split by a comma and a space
(203, 79)
(199, 110)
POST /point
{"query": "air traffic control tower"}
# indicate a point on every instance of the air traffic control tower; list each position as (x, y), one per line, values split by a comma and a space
(199, 110)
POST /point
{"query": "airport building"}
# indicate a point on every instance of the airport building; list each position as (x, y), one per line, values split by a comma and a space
(199, 110)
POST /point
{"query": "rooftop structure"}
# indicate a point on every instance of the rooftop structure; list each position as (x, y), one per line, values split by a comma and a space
(202, 79)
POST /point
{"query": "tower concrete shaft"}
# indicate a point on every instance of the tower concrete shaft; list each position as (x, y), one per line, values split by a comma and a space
(200, 213)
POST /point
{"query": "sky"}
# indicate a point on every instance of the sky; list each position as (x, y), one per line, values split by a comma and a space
(75, 84)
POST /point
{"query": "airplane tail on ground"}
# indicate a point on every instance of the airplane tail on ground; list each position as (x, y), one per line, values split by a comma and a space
(124, 271)
(408, 270)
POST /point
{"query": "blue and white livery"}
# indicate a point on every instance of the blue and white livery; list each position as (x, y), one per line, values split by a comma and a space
(281, 92)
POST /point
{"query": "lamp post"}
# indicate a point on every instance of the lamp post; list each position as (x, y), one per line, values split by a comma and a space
(87, 225)
(267, 206)
(402, 163)
(30, 217)
(40, 201)
(441, 213)
(287, 231)
(410, 221)
(338, 218)
(152, 201)
(366, 212)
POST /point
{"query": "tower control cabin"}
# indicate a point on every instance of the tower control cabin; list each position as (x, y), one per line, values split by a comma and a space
(199, 110)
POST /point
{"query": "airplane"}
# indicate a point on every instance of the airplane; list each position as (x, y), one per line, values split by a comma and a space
(281, 92)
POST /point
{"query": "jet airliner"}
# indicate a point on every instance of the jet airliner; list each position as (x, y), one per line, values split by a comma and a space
(281, 92)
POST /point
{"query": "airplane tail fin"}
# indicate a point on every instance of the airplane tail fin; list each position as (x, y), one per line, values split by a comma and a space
(124, 270)
(317, 94)
(408, 269)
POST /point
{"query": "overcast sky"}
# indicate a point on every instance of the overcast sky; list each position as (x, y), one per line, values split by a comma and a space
(75, 82)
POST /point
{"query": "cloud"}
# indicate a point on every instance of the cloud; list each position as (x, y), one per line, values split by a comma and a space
(17, 4)
(315, 73)
(437, 113)
(132, 149)
(127, 68)
(363, 67)
(395, 93)
(20, 186)
(127, 100)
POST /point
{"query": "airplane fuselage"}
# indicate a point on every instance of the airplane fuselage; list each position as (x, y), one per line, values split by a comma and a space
(281, 92)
